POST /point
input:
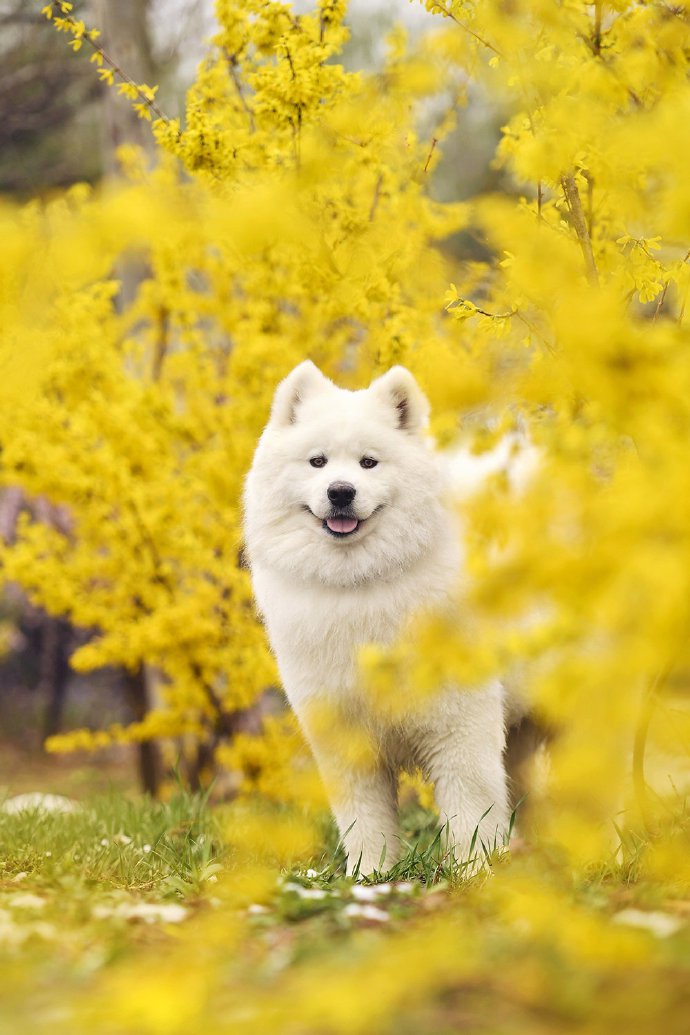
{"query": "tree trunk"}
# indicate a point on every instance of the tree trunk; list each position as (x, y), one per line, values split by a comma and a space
(55, 641)
(137, 694)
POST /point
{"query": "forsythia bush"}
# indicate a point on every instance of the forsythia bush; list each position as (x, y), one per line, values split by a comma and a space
(289, 216)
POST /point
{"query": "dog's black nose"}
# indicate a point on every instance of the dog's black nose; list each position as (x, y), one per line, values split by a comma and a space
(341, 494)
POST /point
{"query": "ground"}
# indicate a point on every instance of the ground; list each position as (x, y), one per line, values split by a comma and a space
(126, 915)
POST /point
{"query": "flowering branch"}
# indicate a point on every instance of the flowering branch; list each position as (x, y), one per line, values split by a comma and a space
(447, 13)
(572, 196)
(142, 95)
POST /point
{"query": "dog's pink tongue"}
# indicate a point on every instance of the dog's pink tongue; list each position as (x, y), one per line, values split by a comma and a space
(342, 524)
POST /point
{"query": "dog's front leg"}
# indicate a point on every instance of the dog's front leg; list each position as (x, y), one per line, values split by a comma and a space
(472, 805)
(360, 782)
(365, 809)
(463, 749)
(363, 799)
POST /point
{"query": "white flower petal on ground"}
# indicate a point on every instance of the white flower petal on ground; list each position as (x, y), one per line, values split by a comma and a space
(660, 924)
(149, 912)
(308, 893)
(357, 912)
(25, 900)
(37, 802)
(13, 933)
(370, 892)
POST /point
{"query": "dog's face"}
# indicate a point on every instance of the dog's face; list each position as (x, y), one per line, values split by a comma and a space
(344, 487)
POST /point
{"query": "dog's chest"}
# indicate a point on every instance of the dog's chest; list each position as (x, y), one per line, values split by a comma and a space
(327, 618)
(315, 632)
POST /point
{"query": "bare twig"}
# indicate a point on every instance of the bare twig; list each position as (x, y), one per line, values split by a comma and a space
(232, 65)
(434, 142)
(660, 303)
(572, 197)
(375, 199)
(161, 344)
(596, 42)
(289, 57)
(590, 205)
(224, 719)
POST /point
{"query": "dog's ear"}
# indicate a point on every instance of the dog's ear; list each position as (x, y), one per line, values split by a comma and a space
(292, 390)
(408, 404)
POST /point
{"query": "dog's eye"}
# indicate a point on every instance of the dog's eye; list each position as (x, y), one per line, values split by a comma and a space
(367, 462)
(318, 461)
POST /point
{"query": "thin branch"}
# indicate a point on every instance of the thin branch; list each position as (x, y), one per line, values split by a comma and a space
(224, 719)
(463, 303)
(596, 42)
(548, 345)
(115, 68)
(296, 126)
(289, 57)
(660, 303)
(161, 344)
(590, 205)
(449, 14)
(232, 64)
(434, 142)
(572, 197)
(644, 722)
(375, 199)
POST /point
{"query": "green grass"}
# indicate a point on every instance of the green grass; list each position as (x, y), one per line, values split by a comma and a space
(166, 849)
(424, 857)
(112, 854)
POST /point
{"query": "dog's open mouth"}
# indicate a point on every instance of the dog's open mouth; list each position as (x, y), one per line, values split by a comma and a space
(341, 525)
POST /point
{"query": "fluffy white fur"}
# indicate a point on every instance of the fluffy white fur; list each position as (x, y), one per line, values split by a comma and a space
(323, 596)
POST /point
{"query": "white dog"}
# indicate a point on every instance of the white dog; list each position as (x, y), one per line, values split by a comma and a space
(347, 537)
